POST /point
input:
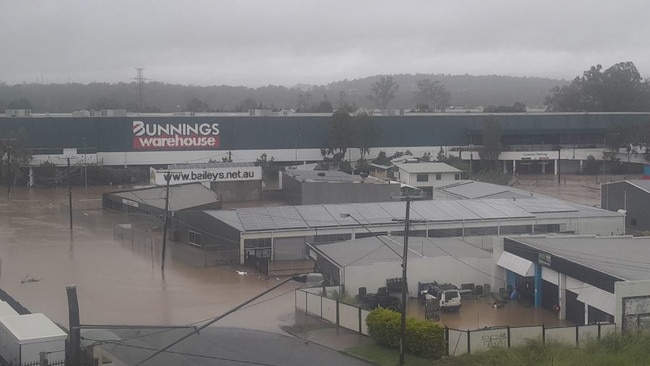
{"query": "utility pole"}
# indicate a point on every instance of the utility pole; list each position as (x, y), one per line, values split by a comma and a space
(140, 81)
(168, 177)
(70, 191)
(9, 178)
(85, 166)
(559, 149)
(74, 352)
(404, 259)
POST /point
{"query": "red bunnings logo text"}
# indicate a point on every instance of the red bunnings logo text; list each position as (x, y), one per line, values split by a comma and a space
(182, 136)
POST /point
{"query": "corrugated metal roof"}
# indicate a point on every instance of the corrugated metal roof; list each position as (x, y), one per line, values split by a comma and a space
(473, 189)
(384, 249)
(641, 183)
(427, 168)
(622, 257)
(355, 214)
(323, 176)
(182, 196)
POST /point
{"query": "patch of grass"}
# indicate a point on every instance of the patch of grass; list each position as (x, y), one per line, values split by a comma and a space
(385, 356)
(633, 349)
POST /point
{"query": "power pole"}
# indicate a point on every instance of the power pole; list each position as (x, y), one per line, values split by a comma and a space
(70, 191)
(9, 178)
(85, 165)
(168, 177)
(140, 80)
(402, 333)
(74, 352)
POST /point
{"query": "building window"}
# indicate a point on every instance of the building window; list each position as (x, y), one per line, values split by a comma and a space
(194, 238)
(422, 177)
(438, 176)
(456, 176)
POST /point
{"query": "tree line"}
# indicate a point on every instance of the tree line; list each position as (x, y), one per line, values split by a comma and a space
(413, 93)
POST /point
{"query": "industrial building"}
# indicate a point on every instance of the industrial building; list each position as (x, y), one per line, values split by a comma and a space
(308, 187)
(280, 234)
(630, 196)
(530, 140)
(427, 175)
(368, 262)
(586, 279)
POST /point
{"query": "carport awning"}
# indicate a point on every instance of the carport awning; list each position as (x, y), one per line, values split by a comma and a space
(518, 265)
(600, 299)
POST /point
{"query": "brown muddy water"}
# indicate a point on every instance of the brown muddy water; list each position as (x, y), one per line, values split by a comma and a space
(118, 282)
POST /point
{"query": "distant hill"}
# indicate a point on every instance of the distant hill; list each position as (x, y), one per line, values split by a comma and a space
(466, 90)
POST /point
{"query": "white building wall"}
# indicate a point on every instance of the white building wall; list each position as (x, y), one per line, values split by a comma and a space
(635, 295)
(440, 269)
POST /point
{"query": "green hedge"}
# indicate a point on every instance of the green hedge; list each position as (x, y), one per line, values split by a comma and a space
(422, 338)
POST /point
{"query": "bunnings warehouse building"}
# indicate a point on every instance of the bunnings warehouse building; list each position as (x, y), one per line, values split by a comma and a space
(156, 140)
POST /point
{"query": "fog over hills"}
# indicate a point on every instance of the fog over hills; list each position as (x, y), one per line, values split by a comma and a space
(465, 90)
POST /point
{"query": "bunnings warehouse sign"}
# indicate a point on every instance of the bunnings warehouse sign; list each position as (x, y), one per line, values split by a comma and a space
(179, 136)
(229, 174)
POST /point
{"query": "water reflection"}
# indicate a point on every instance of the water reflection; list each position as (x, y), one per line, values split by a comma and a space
(118, 281)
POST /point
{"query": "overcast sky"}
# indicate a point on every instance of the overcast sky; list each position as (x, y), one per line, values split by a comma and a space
(286, 42)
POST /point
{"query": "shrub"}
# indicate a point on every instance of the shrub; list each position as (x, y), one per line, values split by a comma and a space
(422, 338)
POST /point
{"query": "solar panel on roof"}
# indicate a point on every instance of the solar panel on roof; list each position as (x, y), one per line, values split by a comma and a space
(541, 206)
(316, 216)
(429, 211)
(455, 210)
(342, 213)
(373, 213)
(286, 217)
(398, 210)
(255, 219)
(482, 209)
(508, 208)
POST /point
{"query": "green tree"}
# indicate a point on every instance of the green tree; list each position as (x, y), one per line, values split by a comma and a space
(22, 103)
(340, 137)
(246, 105)
(383, 91)
(325, 106)
(620, 88)
(269, 167)
(11, 151)
(304, 101)
(431, 96)
(491, 149)
(365, 133)
(197, 105)
(441, 155)
(382, 159)
(99, 103)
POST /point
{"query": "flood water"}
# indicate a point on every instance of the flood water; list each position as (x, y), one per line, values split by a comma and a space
(118, 282)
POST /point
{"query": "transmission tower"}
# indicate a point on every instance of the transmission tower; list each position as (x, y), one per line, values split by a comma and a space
(140, 80)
